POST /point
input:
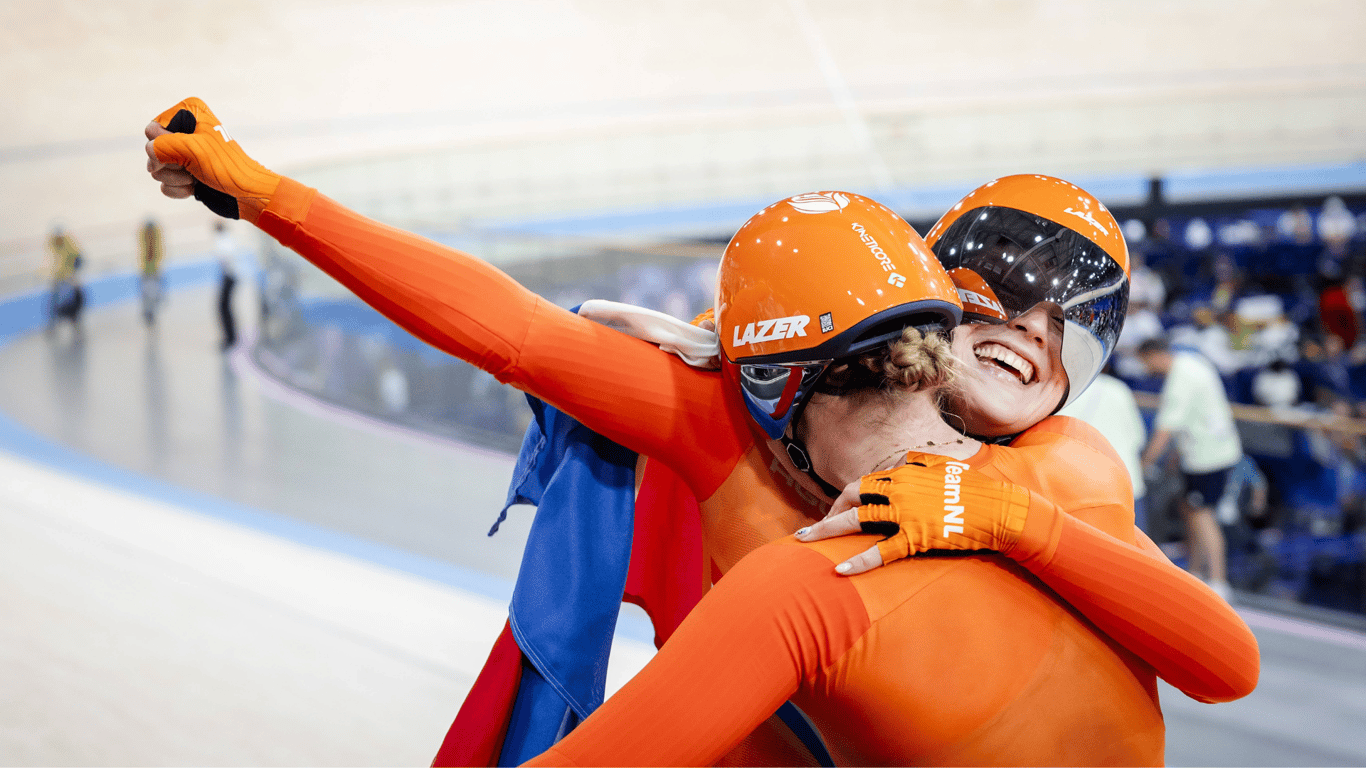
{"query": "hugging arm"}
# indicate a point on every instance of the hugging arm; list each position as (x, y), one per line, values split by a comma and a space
(1191, 637)
(746, 648)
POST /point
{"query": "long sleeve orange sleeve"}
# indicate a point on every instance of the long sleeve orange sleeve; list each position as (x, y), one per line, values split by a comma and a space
(737, 657)
(620, 387)
(1191, 637)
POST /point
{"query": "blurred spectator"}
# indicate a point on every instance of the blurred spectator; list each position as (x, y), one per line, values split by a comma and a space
(1141, 324)
(1296, 226)
(1356, 292)
(1323, 370)
(1337, 226)
(1228, 283)
(1211, 339)
(1146, 288)
(1274, 335)
(68, 296)
(1276, 386)
(1147, 296)
(1194, 413)
(151, 249)
(1199, 236)
(1245, 497)
(1240, 233)
(1278, 340)
(1342, 450)
(1337, 315)
(1135, 232)
(1243, 518)
(1239, 333)
(1109, 406)
(225, 248)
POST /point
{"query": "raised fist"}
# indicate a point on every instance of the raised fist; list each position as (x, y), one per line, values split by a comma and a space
(192, 154)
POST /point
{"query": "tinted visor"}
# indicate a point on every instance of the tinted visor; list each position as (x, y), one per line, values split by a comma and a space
(1026, 259)
(771, 391)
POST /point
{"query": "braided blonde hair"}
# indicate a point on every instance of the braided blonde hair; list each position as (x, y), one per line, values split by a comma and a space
(916, 361)
(913, 362)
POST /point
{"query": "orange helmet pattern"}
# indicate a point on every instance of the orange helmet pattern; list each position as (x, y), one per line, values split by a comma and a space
(814, 278)
(980, 303)
(1022, 240)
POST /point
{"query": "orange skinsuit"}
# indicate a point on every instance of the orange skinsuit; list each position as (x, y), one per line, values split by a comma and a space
(653, 403)
(925, 661)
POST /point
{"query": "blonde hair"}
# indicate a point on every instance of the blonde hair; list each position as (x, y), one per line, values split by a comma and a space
(914, 362)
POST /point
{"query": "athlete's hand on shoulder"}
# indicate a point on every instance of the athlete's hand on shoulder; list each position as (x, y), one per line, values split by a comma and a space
(919, 508)
(192, 154)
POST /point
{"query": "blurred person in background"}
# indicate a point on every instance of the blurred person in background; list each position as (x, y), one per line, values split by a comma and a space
(1109, 406)
(1243, 517)
(67, 298)
(1198, 235)
(1194, 415)
(1296, 226)
(1239, 332)
(1269, 333)
(1337, 226)
(1277, 386)
(1228, 283)
(1335, 445)
(1279, 339)
(1337, 315)
(1146, 288)
(225, 249)
(1140, 325)
(151, 251)
(1210, 338)
(1147, 297)
(1323, 368)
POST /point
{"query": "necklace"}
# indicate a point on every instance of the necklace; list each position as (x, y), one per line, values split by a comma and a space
(904, 451)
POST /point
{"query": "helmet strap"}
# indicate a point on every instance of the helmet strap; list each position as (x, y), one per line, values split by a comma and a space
(796, 449)
(797, 452)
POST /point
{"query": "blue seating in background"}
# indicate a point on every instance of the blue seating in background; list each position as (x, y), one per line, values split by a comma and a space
(1356, 381)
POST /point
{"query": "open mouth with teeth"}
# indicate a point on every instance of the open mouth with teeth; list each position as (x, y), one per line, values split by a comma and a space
(1000, 357)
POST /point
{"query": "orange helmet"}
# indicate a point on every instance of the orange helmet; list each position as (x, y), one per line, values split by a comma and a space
(1021, 240)
(814, 278)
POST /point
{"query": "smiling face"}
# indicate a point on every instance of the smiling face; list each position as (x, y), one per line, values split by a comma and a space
(1011, 374)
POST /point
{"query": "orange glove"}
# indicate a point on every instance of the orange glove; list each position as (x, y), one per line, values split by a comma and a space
(944, 506)
(225, 179)
(934, 502)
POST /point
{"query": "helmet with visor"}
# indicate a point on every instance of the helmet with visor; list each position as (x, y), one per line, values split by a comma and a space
(1020, 241)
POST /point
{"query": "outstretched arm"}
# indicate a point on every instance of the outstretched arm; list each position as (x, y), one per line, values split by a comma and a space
(620, 387)
(1192, 638)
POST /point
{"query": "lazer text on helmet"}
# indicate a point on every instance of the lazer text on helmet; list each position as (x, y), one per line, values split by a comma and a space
(772, 330)
(953, 493)
(882, 257)
(1087, 216)
(973, 297)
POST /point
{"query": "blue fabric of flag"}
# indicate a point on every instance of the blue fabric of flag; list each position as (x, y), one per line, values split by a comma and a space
(569, 589)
